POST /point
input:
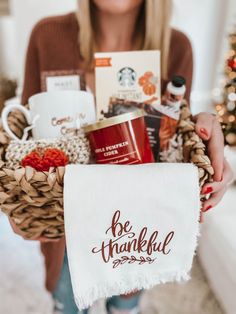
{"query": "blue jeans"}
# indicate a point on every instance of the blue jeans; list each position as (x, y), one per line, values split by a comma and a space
(63, 294)
(64, 298)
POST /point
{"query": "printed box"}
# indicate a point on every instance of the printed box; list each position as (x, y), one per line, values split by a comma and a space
(126, 81)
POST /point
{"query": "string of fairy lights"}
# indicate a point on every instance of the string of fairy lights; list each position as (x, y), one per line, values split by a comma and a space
(227, 109)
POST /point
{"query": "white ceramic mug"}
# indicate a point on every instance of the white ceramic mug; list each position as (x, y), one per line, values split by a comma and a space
(53, 114)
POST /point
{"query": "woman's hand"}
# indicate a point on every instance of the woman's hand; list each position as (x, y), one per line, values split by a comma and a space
(209, 129)
(20, 233)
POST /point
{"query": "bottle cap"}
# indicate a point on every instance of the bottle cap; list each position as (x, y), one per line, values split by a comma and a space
(178, 81)
(177, 85)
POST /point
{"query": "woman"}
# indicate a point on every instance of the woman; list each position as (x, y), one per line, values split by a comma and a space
(67, 43)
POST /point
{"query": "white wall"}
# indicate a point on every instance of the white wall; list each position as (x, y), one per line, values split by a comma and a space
(202, 20)
(8, 50)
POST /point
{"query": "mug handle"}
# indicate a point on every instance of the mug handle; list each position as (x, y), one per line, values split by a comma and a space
(5, 125)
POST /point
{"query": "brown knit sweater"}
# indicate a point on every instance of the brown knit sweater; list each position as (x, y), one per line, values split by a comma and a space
(54, 46)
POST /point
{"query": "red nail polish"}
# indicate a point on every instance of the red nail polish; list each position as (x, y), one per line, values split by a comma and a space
(204, 131)
(208, 207)
(208, 190)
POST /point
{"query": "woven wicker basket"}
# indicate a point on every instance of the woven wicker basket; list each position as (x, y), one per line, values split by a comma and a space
(34, 200)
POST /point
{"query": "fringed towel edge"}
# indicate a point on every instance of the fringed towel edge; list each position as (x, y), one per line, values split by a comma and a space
(106, 289)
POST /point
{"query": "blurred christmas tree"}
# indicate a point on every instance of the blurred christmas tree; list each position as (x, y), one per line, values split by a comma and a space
(227, 109)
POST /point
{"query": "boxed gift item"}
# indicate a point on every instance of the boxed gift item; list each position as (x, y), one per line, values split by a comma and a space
(126, 81)
(133, 76)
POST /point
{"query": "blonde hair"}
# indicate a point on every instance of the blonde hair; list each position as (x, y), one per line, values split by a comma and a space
(153, 30)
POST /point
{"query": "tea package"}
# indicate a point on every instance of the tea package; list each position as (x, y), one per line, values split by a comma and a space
(127, 81)
(62, 80)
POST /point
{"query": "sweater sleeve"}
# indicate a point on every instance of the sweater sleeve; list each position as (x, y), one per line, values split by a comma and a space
(181, 59)
(31, 84)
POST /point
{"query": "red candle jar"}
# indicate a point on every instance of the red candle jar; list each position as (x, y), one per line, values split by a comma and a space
(121, 139)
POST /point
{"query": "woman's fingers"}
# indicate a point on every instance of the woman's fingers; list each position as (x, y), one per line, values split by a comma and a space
(41, 239)
(215, 186)
(204, 124)
(209, 129)
(17, 230)
(217, 189)
(212, 187)
(46, 240)
(213, 200)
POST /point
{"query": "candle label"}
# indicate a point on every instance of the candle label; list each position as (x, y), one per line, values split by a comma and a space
(120, 153)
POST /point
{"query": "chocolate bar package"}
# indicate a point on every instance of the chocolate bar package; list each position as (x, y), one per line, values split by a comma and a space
(127, 81)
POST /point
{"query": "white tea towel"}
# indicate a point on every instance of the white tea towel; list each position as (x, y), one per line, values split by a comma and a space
(129, 227)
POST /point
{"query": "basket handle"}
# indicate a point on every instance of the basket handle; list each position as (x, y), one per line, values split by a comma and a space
(5, 113)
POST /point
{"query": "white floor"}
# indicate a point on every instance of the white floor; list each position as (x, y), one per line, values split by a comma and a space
(21, 275)
(217, 249)
(22, 290)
